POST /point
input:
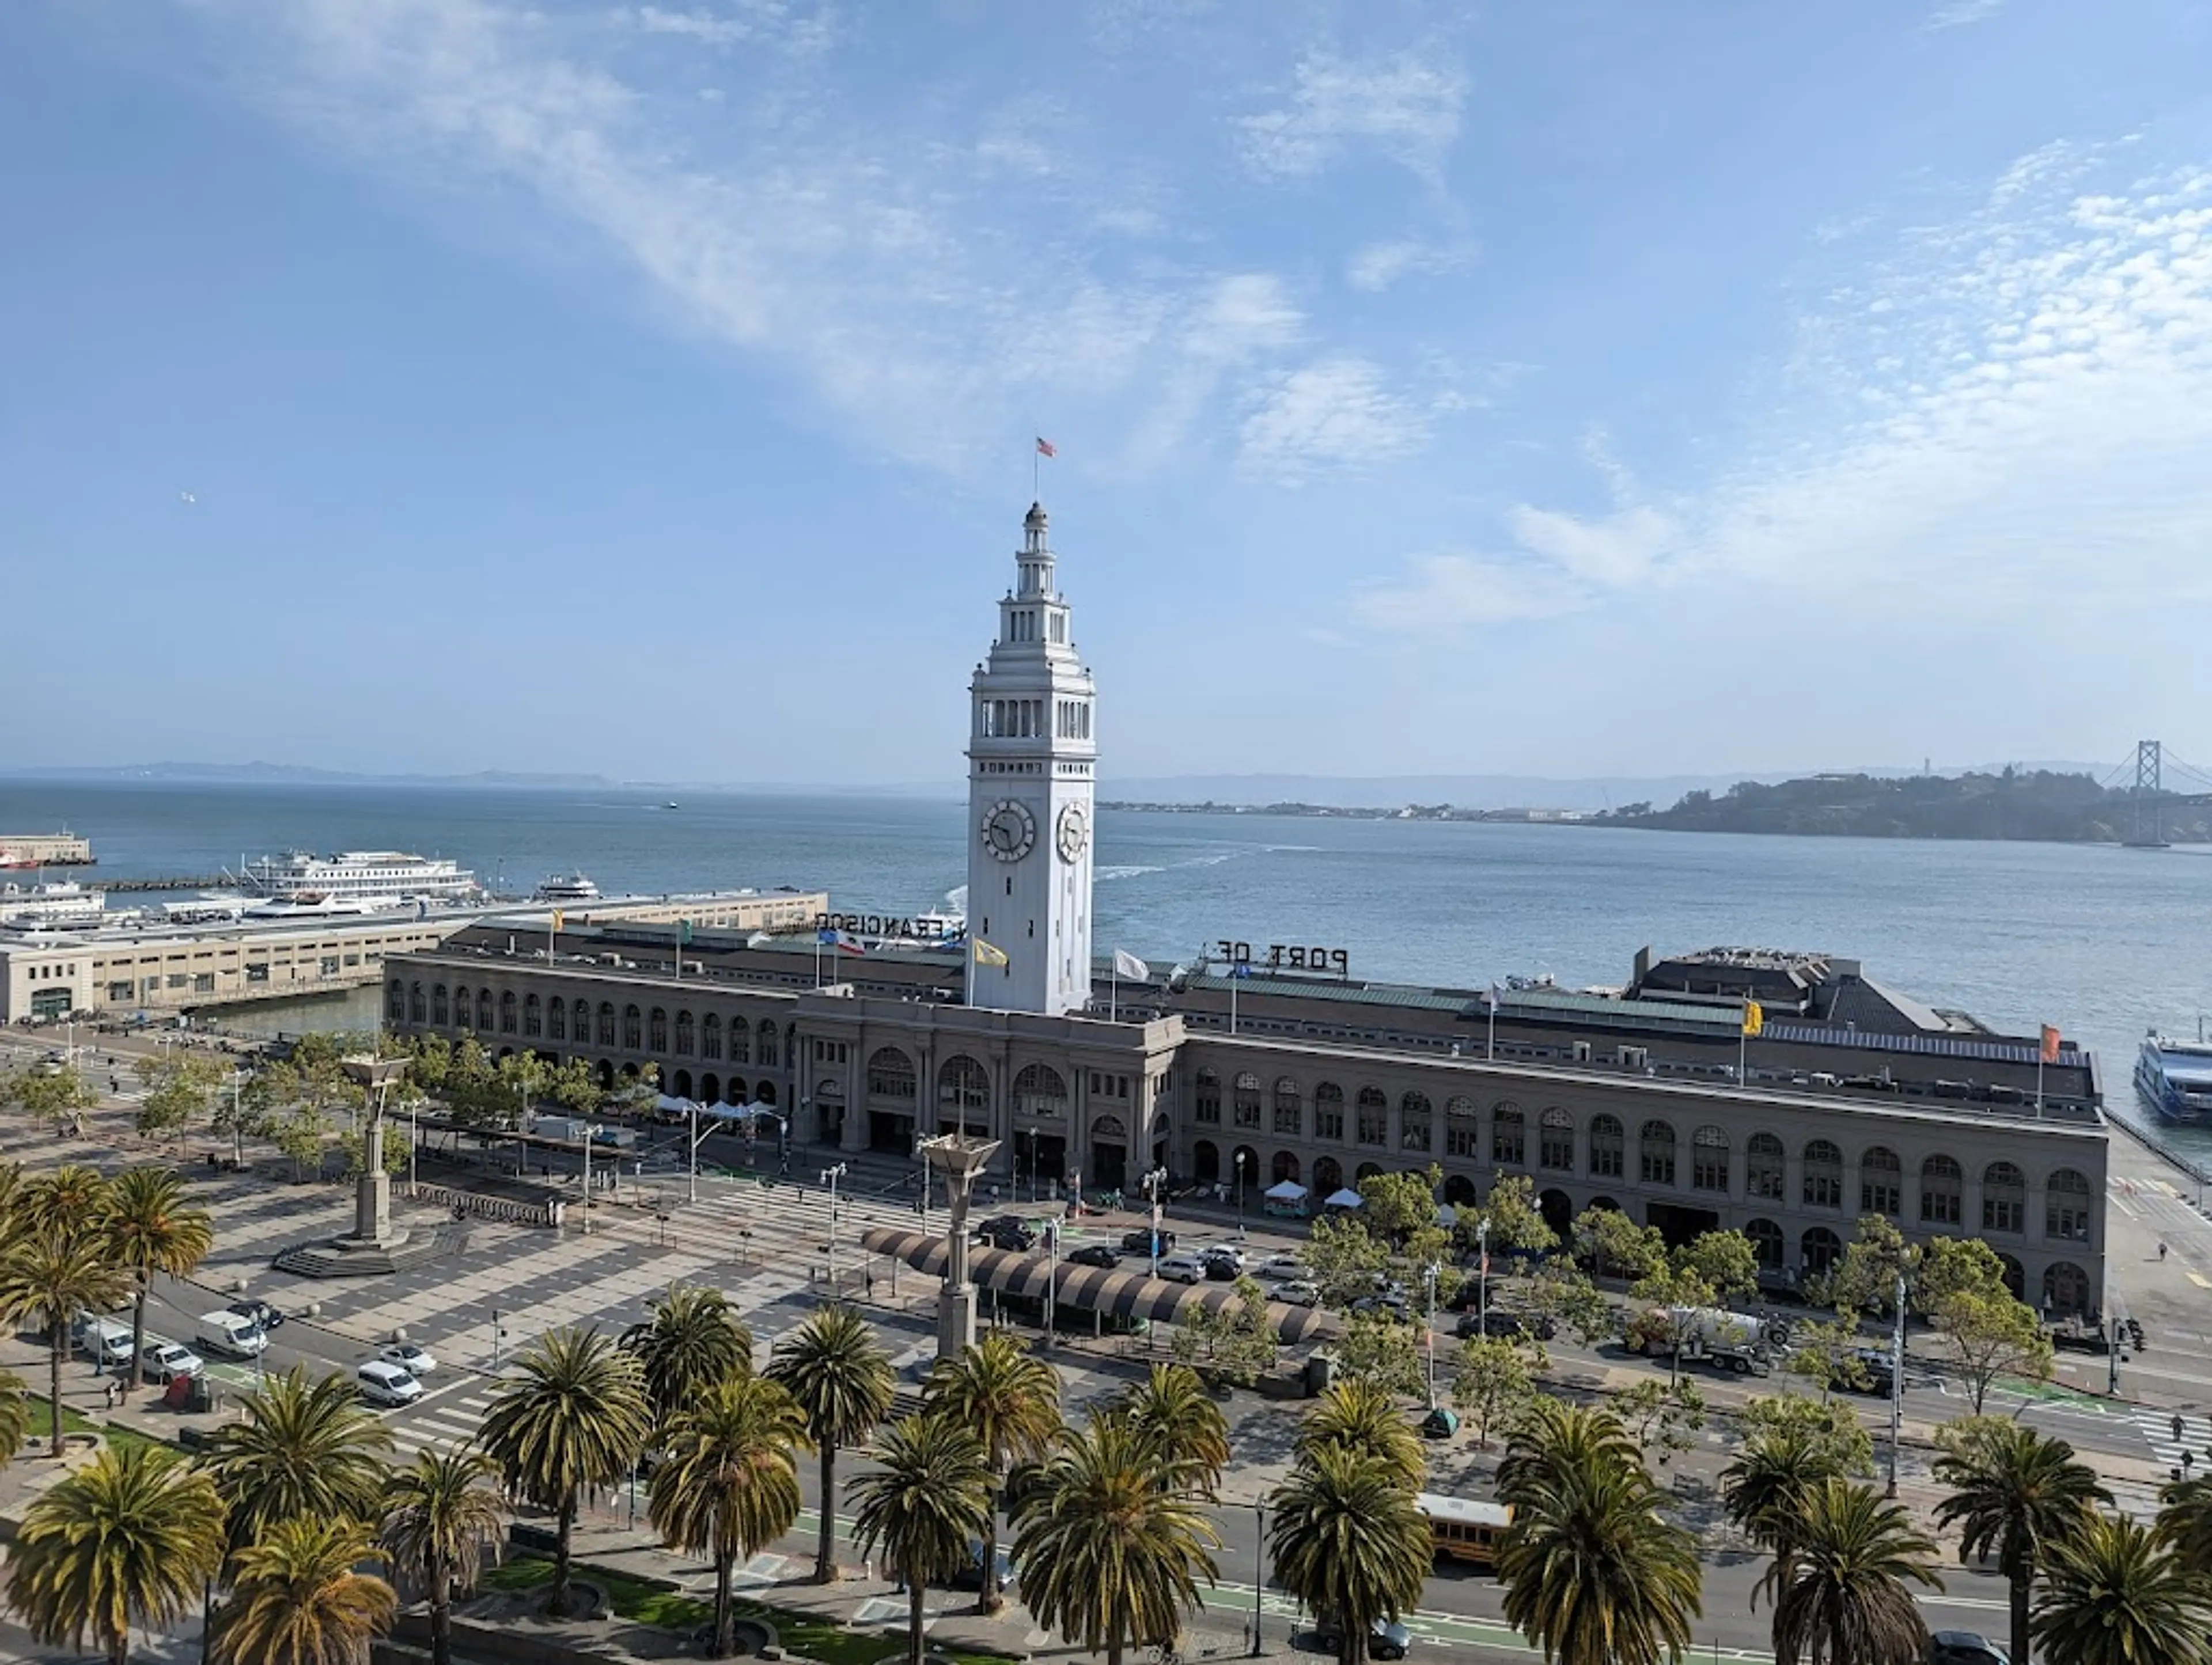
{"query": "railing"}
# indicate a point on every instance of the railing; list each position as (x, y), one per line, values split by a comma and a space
(509, 1210)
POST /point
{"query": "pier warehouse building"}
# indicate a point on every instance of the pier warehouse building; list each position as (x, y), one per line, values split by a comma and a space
(1854, 1098)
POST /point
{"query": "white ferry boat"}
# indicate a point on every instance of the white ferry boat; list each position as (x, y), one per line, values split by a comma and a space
(567, 887)
(59, 903)
(309, 905)
(384, 876)
(2174, 1078)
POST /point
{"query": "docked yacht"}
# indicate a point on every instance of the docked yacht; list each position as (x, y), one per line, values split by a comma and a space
(384, 876)
(2174, 1078)
(59, 903)
(567, 887)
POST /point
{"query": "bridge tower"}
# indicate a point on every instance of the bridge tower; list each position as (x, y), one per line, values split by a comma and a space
(2150, 786)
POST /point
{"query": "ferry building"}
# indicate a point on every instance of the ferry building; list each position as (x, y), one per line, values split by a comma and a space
(1275, 1064)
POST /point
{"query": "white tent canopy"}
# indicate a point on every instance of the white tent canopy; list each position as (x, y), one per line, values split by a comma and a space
(1288, 1190)
(1347, 1198)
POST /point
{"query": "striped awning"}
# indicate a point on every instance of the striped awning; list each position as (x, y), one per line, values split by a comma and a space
(1088, 1288)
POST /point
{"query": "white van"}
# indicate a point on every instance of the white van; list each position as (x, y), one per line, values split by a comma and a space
(1182, 1268)
(107, 1342)
(232, 1335)
(382, 1382)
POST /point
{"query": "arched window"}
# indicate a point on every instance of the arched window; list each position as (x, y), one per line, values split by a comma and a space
(1329, 1112)
(2004, 1198)
(2066, 1206)
(464, 1009)
(533, 1017)
(1767, 1244)
(483, 1009)
(2015, 1276)
(741, 1041)
(762, 1094)
(1817, 1251)
(1246, 1104)
(1205, 1097)
(1942, 1191)
(1290, 1114)
(962, 1084)
(1327, 1177)
(581, 1029)
(657, 1030)
(710, 1034)
(1509, 1136)
(1709, 1160)
(1555, 1140)
(1205, 1162)
(395, 1002)
(633, 1029)
(891, 1075)
(764, 1047)
(1463, 1129)
(1762, 1167)
(607, 1023)
(1608, 1146)
(507, 1009)
(415, 1003)
(1373, 1124)
(1824, 1175)
(1881, 1181)
(686, 1035)
(1039, 1090)
(438, 1005)
(556, 1019)
(1656, 1150)
(1416, 1122)
(2065, 1288)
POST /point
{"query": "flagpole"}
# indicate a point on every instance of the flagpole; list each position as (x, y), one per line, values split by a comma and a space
(1114, 992)
(1743, 1044)
(1490, 1047)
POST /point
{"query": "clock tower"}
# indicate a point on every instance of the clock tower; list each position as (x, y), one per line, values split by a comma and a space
(1030, 759)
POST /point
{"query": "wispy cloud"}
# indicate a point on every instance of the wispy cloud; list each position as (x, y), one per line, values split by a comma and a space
(1378, 265)
(1406, 107)
(1957, 14)
(1448, 594)
(1336, 415)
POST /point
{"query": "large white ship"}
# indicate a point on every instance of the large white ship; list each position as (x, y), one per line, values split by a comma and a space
(61, 903)
(385, 878)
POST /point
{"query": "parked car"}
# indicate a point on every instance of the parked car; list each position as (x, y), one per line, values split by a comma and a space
(1228, 1252)
(1140, 1242)
(1104, 1255)
(1875, 1375)
(1220, 1269)
(1015, 1237)
(408, 1357)
(1182, 1268)
(263, 1315)
(1390, 1306)
(232, 1335)
(1298, 1292)
(1283, 1267)
(1964, 1647)
(383, 1383)
(165, 1361)
(970, 1575)
(107, 1341)
(1503, 1323)
(1385, 1639)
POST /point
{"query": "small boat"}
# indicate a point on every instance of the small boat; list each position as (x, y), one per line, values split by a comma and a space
(567, 887)
(672, 805)
(2174, 1078)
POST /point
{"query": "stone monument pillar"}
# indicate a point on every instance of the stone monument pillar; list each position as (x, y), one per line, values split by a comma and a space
(372, 1211)
(959, 1158)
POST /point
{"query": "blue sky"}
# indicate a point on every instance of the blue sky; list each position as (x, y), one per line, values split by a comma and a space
(1597, 386)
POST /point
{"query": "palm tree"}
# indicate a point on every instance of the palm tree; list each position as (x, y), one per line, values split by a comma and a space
(576, 1419)
(438, 1515)
(834, 1366)
(67, 1200)
(151, 1228)
(1365, 1418)
(2115, 1593)
(1553, 1441)
(1172, 1408)
(296, 1597)
(2014, 1493)
(927, 1501)
(1349, 1543)
(15, 1414)
(693, 1341)
(1847, 1603)
(729, 1485)
(308, 1448)
(2185, 1521)
(1011, 1402)
(1593, 1573)
(1111, 1551)
(1764, 1487)
(49, 1276)
(130, 1540)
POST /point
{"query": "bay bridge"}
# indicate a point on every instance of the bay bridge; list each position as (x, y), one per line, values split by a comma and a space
(2143, 779)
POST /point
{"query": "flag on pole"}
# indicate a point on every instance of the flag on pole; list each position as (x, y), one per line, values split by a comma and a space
(2050, 1053)
(558, 915)
(1127, 964)
(684, 931)
(1497, 997)
(843, 943)
(985, 954)
(1045, 447)
(1241, 969)
(1755, 1018)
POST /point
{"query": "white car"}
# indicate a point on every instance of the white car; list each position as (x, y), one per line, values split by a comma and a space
(382, 1382)
(1283, 1266)
(165, 1361)
(408, 1357)
(1298, 1292)
(1180, 1268)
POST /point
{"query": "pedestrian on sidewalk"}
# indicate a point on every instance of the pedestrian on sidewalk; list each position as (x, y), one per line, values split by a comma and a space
(107, 1393)
(2178, 1427)
(2161, 1251)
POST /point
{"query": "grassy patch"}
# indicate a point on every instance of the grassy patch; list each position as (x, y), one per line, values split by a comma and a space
(642, 1602)
(75, 1422)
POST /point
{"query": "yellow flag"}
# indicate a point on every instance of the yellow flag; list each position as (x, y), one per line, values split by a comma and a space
(558, 915)
(1754, 1019)
(987, 955)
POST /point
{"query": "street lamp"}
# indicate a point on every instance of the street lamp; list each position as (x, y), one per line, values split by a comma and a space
(830, 1178)
(590, 1133)
(1431, 1272)
(1151, 1185)
(1240, 1193)
(1051, 1277)
(1259, 1564)
(1482, 1276)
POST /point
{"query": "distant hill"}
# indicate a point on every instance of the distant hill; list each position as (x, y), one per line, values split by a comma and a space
(301, 774)
(2038, 803)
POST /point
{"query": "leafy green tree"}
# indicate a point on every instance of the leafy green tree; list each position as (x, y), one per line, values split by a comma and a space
(1375, 1347)
(1395, 1206)
(728, 1487)
(1987, 1336)
(841, 1377)
(1835, 1428)
(1515, 1221)
(49, 1278)
(1594, 1573)
(1562, 1292)
(2015, 1494)
(1611, 1244)
(1348, 1541)
(572, 1418)
(153, 1227)
(1358, 1415)
(1864, 1278)
(302, 1093)
(1189, 1436)
(439, 1514)
(1112, 1549)
(1236, 1343)
(928, 1499)
(570, 1085)
(1346, 1259)
(355, 1146)
(1010, 1399)
(307, 1448)
(180, 1089)
(1490, 1374)
(1667, 1414)
(1724, 1262)
(2115, 1593)
(1825, 1352)
(51, 1093)
(1849, 1600)
(128, 1541)
(692, 1341)
(1674, 1296)
(296, 1595)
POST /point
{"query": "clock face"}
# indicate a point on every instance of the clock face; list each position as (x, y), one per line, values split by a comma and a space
(1009, 830)
(1072, 833)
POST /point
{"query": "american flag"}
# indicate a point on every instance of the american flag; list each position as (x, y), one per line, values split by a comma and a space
(1045, 447)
